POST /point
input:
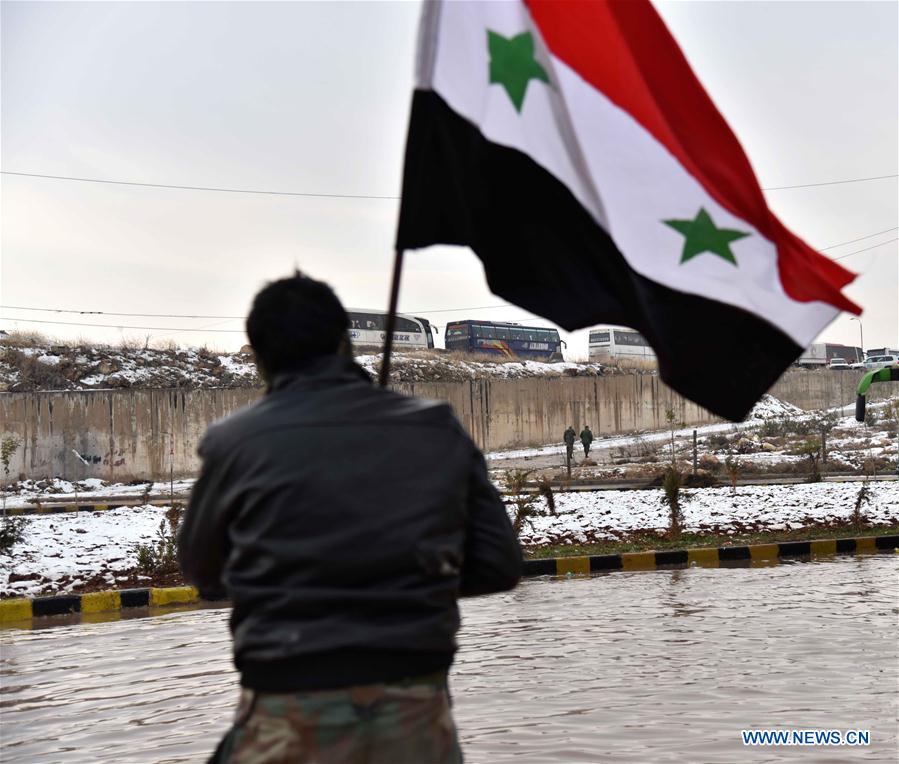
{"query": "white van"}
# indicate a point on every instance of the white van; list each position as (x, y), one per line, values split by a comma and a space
(880, 361)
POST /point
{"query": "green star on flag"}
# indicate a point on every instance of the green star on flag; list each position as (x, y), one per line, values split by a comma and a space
(702, 235)
(512, 64)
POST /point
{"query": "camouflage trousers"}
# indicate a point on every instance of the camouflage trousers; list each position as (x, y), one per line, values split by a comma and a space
(394, 723)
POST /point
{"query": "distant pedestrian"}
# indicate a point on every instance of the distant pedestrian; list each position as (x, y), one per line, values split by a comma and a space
(586, 439)
(570, 435)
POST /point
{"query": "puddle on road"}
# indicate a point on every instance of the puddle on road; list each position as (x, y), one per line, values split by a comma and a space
(628, 667)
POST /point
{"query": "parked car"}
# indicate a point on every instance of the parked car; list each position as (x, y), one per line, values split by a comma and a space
(837, 363)
(857, 365)
(881, 361)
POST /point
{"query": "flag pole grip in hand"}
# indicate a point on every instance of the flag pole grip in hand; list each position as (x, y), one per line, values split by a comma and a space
(384, 375)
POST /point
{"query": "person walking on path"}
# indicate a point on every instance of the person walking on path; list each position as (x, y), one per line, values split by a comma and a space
(586, 439)
(344, 575)
(569, 437)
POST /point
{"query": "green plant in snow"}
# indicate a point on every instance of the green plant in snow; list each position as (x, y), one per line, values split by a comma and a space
(12, 531)
(8, 447)
(812, 449)
(160, 555)
(673, 497)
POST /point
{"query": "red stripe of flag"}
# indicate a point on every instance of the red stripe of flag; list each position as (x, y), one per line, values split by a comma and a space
(623, 49)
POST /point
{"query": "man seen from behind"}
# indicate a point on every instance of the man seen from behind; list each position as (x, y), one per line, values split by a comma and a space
(586, 439)
(569, 437)
(344, 573)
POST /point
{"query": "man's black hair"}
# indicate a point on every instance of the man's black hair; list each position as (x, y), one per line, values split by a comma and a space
(294, 320)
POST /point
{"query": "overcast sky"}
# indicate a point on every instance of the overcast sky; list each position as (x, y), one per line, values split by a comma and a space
(314, 97)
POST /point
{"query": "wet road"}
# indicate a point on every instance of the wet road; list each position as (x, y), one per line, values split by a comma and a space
(628, 667)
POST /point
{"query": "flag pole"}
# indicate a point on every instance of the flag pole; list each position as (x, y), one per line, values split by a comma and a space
(384, 376)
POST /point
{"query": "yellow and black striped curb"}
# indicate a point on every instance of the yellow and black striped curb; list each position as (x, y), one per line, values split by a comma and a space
(13, 610)
(96, 602)
(710, 556)
(48, 508)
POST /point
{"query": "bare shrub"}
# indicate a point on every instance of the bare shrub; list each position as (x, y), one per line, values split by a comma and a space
(35, 375)
(629, 364)
(27, 339)
(717, 441)
(524, 504)
(811, 449)
(709, 463)
(544, 486)
(862, 497)
(734, 468)
(167, 345)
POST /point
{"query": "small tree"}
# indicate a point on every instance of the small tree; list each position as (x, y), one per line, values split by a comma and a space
(812, 449)
(524, 503)
(671, 419)
(824, 422)
(673, 497)
(12, 531)
(872, 418)
(160, 555)
(8, 447)
(862, 497)
(544, 485)
(734, 469)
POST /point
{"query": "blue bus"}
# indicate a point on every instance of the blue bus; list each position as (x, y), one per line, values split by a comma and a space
(501, 338)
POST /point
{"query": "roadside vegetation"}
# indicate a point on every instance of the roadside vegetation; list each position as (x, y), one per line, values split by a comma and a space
(642, 542)
(159, 556)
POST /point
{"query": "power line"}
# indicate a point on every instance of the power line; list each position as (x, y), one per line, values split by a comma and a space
(343, 196)
(122, 326)
(186, 329)
(875, 246)
(227, 318)
(457, 310)
(111, 313)
(199, 188)
(860, 238)
(830, 183)
(406, 312)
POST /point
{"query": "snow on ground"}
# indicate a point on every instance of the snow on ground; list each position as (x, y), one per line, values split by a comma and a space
(93, 367)
(619, 441)
(596, 515)
(436, 367)
(77, 547)
(767, 408)
(238, 366)
(770, 407)
(61, 551)
(59, 491)
(86, 367)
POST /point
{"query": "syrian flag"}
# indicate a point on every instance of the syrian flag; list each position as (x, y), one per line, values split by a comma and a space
(572, 148)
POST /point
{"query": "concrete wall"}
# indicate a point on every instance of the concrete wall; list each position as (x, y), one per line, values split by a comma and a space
(128, 434)
(824, 389)
(122, 434)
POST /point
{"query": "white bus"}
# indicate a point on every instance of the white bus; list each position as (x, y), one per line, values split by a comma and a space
(611, 343)
(366, 330)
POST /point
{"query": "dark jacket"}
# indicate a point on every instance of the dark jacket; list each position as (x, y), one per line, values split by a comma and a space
(570, 436)
(586, 436)
(343, 521)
